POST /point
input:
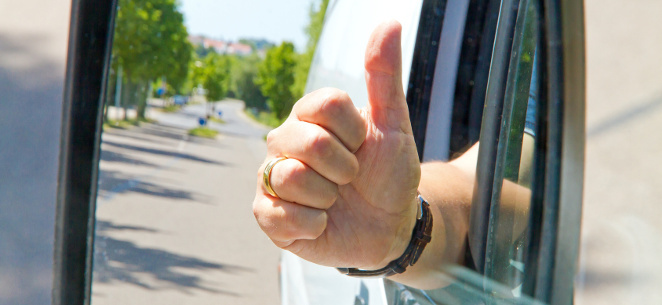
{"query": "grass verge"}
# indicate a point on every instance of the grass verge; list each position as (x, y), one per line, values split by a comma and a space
(203, 132)
(265, 118)
(171, 108)
(217, 120)
(125, 124)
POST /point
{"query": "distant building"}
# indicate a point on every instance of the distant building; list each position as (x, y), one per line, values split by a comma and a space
(220, 46)
(239, 49)
(196, 40)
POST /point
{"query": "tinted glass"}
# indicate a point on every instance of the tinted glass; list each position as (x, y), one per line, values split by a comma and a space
(505, 255)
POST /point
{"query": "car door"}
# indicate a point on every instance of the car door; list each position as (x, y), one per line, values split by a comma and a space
(554, 185)
(524, 223)
(531, 151)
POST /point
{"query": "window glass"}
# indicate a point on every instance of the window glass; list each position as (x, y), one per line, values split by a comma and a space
(509, 217)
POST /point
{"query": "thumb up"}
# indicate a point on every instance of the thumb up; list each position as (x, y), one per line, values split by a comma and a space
(338, 186)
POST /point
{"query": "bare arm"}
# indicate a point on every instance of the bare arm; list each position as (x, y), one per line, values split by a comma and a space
(448, 190)
(448, 187)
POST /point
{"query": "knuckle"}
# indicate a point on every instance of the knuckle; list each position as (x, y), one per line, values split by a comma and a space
(259, 173)
(263, 219)
(256, 211)
(334, 103)
(296, 174)
(272, 135)
(286, 178)
(320, 144)
(273, 220)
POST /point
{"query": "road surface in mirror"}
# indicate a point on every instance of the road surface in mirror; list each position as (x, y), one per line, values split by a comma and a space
(174, 212)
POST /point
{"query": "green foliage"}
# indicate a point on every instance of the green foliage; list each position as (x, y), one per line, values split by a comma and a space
(264, 117)
(203, 132)
(216, 120)
(213, 73)
(202, 52)
(171, 108)
(125, 124)
(150, 42)
(275, 77)
(257, 44)
(242, 84)
(313, 31)
(119, 124)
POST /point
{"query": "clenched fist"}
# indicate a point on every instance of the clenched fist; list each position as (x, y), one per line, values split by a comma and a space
(346, 192)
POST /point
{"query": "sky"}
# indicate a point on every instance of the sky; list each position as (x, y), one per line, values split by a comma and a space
(273, 20)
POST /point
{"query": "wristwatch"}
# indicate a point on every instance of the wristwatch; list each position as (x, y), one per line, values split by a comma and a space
(420, 237)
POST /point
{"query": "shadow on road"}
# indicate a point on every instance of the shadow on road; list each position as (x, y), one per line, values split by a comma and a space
(112, 183)
(162, 152)
(150, 268)
(111, 156)
(142, 134)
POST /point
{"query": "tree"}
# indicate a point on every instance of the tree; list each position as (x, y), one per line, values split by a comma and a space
(244, 74)
(215, 76)
(276, 76)
(150, 42)
(313, 31)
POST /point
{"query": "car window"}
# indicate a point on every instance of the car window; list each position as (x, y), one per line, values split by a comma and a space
(506, 252)
(506, 243)
(157, 172)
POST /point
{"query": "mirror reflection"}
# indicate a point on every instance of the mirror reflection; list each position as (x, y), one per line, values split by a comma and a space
(191, 96)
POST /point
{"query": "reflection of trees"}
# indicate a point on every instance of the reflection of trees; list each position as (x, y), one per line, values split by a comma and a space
(150, 42)
(275, 76)
(313, 30)
(243, 86)
(277, 81)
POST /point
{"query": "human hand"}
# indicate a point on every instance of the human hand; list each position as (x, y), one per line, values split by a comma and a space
(347, 190)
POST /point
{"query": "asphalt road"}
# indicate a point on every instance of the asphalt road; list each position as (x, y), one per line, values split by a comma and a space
(174, 217)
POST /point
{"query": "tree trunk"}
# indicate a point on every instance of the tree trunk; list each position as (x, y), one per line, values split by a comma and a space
(142, 100)
(127, 97)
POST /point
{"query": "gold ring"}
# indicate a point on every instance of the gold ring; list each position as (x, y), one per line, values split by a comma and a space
(266, 175)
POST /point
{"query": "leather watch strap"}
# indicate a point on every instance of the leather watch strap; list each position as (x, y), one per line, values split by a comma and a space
(421, 236)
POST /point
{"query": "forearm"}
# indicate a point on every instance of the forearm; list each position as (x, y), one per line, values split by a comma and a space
(448, 189)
